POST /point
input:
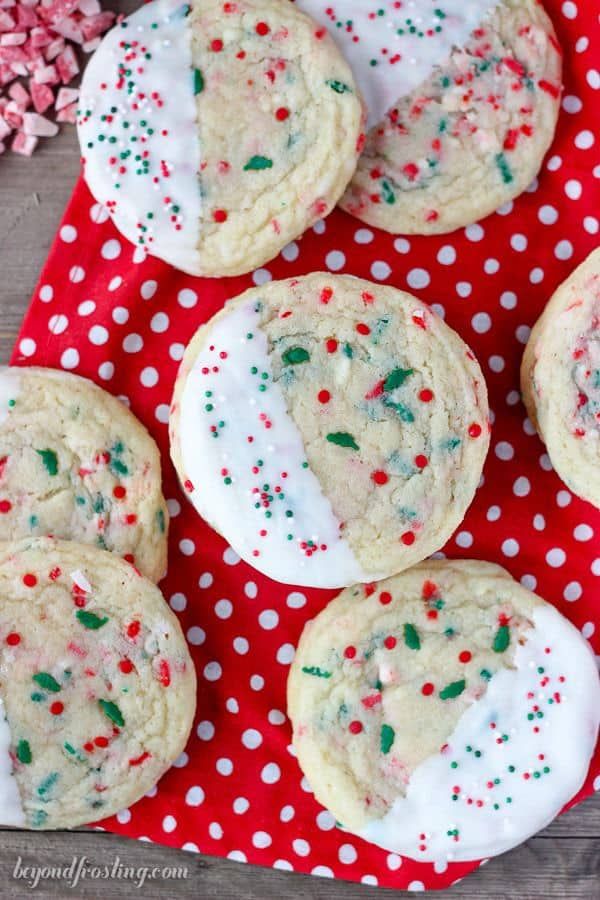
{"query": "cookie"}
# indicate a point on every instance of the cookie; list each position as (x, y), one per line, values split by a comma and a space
(331, 429)
(445, 714)
(463, 100)
(76, 464)
(560, 379)
(215, 133)
(97, 684)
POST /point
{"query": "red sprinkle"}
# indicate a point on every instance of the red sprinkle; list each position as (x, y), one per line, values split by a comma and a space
(427, 689)
(350, 652)
(5, 506)
(323, 396)
(421, 461)
(363, 328)
(331, 345)
(282, 114)
(217, 45)
(390, 642)
(119, 492)
(29, 580)
(13, 639)
(474, 430)
(126, 666)
(133, 629)
(136, 761)
(464, 656)
(355, 727)
(385, 597)
(379, 477)
(426, 396)
(220, 215)
(262, 28)
(408, 538)
(56, 708)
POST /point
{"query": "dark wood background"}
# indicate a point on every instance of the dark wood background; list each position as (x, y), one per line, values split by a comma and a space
(561, 862)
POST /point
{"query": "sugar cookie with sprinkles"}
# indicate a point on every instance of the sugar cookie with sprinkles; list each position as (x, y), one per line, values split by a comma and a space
(331, 429)
(560, 379)
(446, 714)
(75, 463)
(215, 132)
(463, 100)
(96, 681)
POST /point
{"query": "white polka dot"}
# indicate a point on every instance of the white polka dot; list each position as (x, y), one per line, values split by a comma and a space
(518, 242)
(510, 547)
(529, 582)
(271, 773)
(187, 298)
(268, 619)
(583, 532)
(237, 856)
(320, 226)
(496, 363)
(68, 234)
(563, 498)
(111, 249)
(481, 322)
(148, 289)
(556, 557)
(205, 580)
(115, 283)
(296, 600)
(440, 866)
(508, 300)
(363, 236)
(393, 862)
(133, 343)
(512, 398)
(504, 450)
(250, 589)
(57, 324)
(380, 270)
(582, 44)
(123, 816)
(223, 608)
(76, 274)
(291, 251)
(491, 266)
(176, 351)
(584, 140)
(493, 513)
(174, 507)
(572, 104)
(261, 839)
(285, 654)
(505, 209)
(588, 630)
(27, 346)
(187, 547)
(439, 310)
(106, 370)
(120, 315)
(98, 335)
(196, 635)
(261, 276)
(212, 671)
(572, 591)
(86, 308)
(401, 245)
(569, 9)
(554, 163)
(230, 557)
(416, 886)
(446, 255)
(464, 539)
(169, 824)
(283, 864)
(347, 854)
(595, 567)
(547, 215)
(301, 847)
(325, 820)
(257, 682)
(563, 250)
(522, 333)
(591, 225)
(545, 463)
(70, 358)
(251, 739)
(240, 806)
(536, 276)
(178, 601)
(322, 872)
(287, 813)
(539, 522)
(418, 278)
(474, 232)
(573, 189)
(215, 831)
(232, 705)
(194, 796)
(224, 766)
(464, 289)
(335, 260)
(521, 487)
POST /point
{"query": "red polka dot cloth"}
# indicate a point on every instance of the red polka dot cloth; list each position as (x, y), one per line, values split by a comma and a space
(102, 310)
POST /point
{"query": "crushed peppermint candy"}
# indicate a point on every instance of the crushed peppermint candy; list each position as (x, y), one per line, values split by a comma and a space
(39, 48)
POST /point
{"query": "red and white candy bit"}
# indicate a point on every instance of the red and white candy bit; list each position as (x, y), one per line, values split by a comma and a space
(37, 46)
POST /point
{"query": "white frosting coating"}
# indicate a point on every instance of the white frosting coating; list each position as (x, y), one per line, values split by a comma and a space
(157, 203)
(256, 506)
(387, 64)
(550, 753)
(10, 385)
(11, 808)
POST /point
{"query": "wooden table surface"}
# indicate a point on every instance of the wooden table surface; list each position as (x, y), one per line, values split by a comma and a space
(561, 862)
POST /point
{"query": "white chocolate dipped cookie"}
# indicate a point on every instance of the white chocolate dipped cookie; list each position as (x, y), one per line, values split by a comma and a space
(560, 379)
(331, 429)
(462, 101)
(214, 133)
(97, 685)
(75, 463)
(446, 714)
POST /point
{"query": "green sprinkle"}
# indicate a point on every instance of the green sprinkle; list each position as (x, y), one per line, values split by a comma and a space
(315, 670)
(486, 674)
(504, 168)
(90, 619)
(411, 637)
(396, 378)
(342, 439)
(24, 752)
(47, 783)
(387, 192)
(294, 356)
(255, 163)
(160, 518)
(501, 639)
(349, 352)
(50, 460)
(338, 86)
(452, 690)
(46, 681)
(198, 81)
(113, 712)
(386, 738)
